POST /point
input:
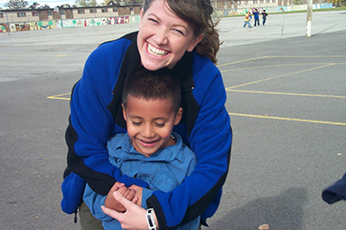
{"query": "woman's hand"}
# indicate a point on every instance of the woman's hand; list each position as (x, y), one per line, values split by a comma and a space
(134, 218)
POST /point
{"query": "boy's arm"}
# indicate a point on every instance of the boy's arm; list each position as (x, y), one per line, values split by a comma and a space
(94, 201)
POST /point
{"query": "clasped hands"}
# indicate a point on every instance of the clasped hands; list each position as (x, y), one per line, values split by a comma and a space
(124, 204)
(133, 193)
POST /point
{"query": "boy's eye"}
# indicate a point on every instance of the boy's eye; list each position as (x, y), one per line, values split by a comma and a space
(136, 123)
(160, 125)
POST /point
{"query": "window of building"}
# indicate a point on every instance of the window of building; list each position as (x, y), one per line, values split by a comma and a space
(92, 11)
(104, 10)
(267, 1)
(131, 8)
(245, 2)
(274, 1)
(34, 13)
(254, 1)
(239, 2)
(261, 1)
(50, 12)
(1, 15)
(62, 12)
(20, 15)
(115, 9)
(81, 12)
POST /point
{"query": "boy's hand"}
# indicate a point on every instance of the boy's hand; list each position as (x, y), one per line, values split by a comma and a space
(128, 193)
(139, 193)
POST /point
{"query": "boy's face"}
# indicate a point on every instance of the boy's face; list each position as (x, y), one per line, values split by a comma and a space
(150, 123)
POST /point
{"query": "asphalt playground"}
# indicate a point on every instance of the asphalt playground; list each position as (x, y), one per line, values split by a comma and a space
(286, 99)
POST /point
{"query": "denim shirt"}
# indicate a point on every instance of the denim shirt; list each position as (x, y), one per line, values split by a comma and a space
(164, 170)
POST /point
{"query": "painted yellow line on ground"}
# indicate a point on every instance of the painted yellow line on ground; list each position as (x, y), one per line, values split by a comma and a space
(282, 93)
(284, 75)
(251, 59)
(269, 66)
(318, 56)
(245, 60)
(60, 96)
(288, 119)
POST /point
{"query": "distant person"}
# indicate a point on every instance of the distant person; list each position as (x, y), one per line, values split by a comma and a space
(149, 151)
(256, 17)
(247, 19)
(264, 15)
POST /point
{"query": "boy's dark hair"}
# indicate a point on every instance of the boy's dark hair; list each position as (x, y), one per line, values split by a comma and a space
(160, 84)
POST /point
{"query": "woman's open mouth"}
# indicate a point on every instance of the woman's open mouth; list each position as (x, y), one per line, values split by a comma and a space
(155, 51)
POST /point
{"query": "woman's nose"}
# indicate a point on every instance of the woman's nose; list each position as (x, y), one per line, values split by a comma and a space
(160, 36)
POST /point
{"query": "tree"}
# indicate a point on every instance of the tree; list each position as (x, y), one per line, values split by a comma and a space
(34, 5)
(16, 4)
(86, 2)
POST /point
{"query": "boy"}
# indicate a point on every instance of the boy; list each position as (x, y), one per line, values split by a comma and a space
(247, 19)
(149, 150)
(256, 16)
(264, 14)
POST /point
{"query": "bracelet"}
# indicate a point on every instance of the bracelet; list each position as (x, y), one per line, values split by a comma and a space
(150, 219)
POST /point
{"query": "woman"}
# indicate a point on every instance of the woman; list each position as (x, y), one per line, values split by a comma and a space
(174, 34)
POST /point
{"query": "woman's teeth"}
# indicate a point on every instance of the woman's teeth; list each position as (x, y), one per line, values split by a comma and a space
(156, 52)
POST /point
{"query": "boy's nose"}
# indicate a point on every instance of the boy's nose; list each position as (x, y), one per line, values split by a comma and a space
(147, 131)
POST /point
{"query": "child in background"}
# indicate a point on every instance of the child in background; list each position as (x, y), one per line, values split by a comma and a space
(256, 17)
(264, 15)
(149, 151)
(247, 19)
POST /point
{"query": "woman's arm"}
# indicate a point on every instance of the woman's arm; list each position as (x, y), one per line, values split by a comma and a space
(91, 122)
(210, 139)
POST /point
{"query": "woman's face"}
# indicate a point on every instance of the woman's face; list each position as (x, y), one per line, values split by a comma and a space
(163, 38)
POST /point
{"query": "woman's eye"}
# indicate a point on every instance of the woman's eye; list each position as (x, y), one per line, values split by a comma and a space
(153, 20)
(179, 31)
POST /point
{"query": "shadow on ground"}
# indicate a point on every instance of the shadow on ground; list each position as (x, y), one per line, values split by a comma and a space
(280, 212)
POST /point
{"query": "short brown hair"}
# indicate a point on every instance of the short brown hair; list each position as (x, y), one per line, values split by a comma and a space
(159, 84)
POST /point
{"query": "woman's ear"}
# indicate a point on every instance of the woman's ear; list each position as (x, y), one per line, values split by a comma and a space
(178, 116)
(194, 43)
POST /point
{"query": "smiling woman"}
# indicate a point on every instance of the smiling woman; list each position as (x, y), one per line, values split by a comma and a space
(178, 36)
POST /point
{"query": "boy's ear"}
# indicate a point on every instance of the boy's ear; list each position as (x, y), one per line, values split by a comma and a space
(124, 112)
(178, 116)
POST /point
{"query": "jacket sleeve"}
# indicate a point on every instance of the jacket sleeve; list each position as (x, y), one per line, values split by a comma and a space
(91, 124)
(94, 201)
(210, 139)
(335, 192)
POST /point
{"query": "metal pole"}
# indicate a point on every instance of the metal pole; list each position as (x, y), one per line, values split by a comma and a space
(309, 18)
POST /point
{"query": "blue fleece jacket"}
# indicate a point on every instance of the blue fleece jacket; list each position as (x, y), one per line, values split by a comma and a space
(96, 116)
